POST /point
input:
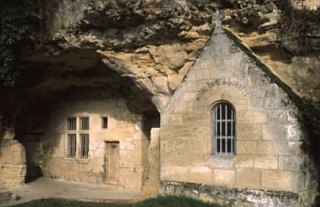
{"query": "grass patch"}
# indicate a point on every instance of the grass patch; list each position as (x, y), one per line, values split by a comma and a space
(174, 201)
(162, 201)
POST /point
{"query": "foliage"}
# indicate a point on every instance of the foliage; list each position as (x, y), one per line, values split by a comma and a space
(174, 201)
(162, 201)
(15, 23)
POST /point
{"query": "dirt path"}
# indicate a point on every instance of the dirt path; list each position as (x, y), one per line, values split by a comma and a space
(54, 188)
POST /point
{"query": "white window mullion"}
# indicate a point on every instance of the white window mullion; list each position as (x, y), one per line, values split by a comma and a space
(223, 138)
(214, 138)
(220, 123)
(225, 129)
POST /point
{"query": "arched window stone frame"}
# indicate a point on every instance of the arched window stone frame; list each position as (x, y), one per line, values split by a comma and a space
(223, 116)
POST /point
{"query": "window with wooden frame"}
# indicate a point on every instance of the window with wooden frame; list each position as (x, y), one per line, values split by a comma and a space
(84, 123)
(72, 145)
(72, 123)
(223, 129)
(84, 146)
(78, 132)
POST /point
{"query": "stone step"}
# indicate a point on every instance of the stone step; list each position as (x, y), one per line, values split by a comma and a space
(5, 195)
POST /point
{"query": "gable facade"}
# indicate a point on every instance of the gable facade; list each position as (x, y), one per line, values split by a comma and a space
(205, 146)
(229, 135)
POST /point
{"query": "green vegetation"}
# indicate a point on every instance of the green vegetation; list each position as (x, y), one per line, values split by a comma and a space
(174, 201)
(15, 24)
(166, 201)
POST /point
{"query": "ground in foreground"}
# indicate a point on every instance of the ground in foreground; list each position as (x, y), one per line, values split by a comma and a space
(166, 201)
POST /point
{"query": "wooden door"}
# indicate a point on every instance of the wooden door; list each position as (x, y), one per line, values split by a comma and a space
(112, 162)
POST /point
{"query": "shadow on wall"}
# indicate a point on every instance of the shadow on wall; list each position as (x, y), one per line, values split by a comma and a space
(311, 122)
(42, 116)
(1, 132)
(6, 131)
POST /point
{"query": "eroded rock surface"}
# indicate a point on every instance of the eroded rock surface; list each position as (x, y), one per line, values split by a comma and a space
(12, 163)
(154, 42)
(141, 50)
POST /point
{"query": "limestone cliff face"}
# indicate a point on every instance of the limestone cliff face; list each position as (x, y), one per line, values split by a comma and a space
(154, 42)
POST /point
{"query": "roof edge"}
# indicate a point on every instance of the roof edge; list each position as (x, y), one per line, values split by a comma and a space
(274, 77)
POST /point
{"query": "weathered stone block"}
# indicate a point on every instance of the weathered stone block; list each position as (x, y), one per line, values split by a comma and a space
(259, 117)
(130, 178)
(187, 151)
(257, 102)
(174, 173)
(12, 163)
(200, 175)
(275, 101)
(222, 162)
(246, 147)
(294, 147)
(248, 178)
(267, 148)
(241, 103)
(12, 152)
(278, 180)
(244, 161)
(267, 130)
(258, 92)
(194, 119)
(291, 163)
(224, 177)
(277, 115)
(12, 175)
(249, 132)
(245, 116)
(202, 75)
(266, 162)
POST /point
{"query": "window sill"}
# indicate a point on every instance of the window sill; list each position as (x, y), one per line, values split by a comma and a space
(70, 158)
(76, 159)
(222, 161)
(83, 160)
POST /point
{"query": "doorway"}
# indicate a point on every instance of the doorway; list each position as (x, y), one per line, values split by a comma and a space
(112, 160)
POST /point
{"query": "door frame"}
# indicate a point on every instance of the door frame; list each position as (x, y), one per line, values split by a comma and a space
(107, 165)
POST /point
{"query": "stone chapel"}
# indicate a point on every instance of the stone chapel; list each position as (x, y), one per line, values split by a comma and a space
(229, 134)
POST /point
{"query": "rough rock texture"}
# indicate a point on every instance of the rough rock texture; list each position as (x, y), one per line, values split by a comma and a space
(142, 49)
(154, 42)
(232, 197)
(152, 179)
(12, 163)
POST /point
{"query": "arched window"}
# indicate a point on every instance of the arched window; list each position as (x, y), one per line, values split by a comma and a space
(224, 129)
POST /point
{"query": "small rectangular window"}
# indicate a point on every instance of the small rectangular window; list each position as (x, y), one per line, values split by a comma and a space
(84, 146)
(72, 145)
(72, 123)
(84, 123)
(104, 122)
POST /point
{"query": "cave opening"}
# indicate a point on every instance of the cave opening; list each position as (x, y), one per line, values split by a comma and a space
(49, 90)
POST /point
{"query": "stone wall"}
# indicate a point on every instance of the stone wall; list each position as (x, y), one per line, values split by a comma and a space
(152, 180)
(12, 163)
(238, 197)
(123, 126)
(268, 138)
